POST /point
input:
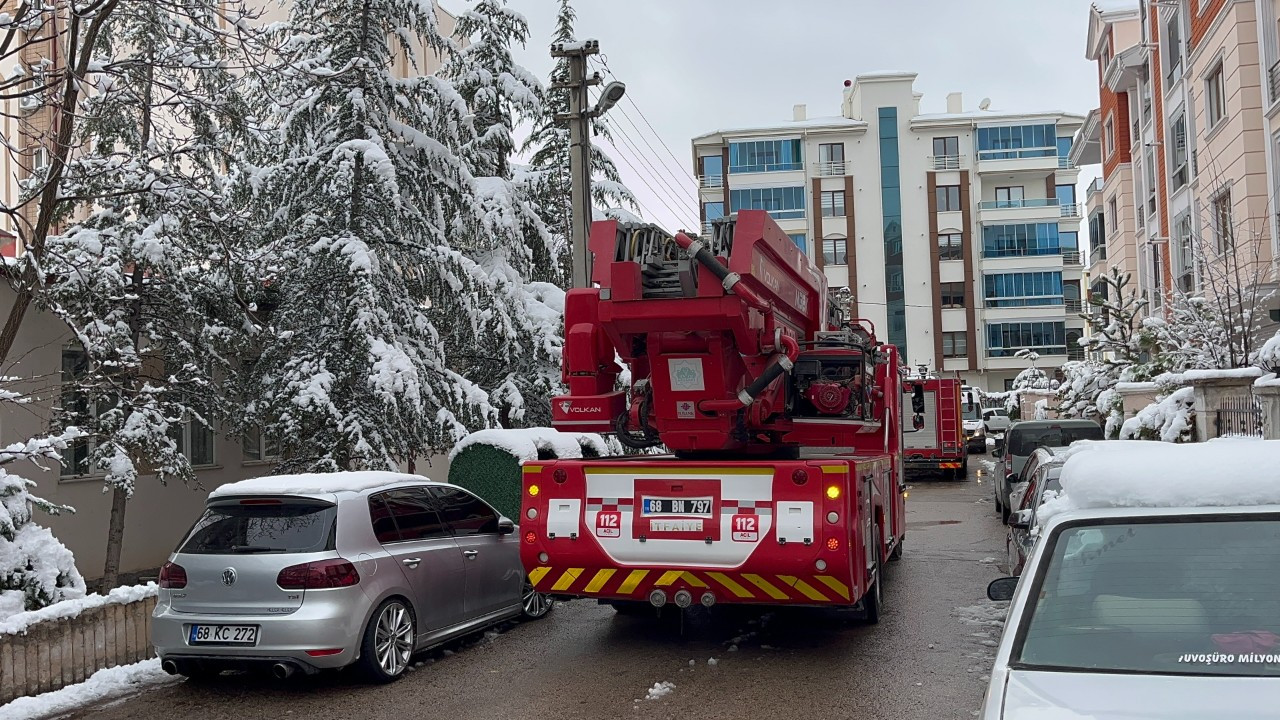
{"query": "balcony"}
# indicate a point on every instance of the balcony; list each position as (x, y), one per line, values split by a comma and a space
(830, 169)
(947, 162)
(1043, 159)
(1073, 306)
(1072, 257)
(997, 212)
(711, 181)
(1095, 186)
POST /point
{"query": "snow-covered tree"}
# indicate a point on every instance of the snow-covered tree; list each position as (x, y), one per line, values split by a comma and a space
(548, 145)
(140, 274)
(1269, 354)
(1116, 335)
(36, 569)
(1171, 418)
(1078, 395)
(370, 229)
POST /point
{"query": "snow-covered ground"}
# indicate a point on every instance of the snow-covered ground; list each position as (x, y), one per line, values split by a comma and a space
(100, 688)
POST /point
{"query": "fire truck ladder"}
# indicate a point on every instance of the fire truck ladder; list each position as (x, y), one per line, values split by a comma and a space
(949, 407)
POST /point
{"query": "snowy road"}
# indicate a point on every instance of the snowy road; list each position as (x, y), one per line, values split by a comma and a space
(927, 659)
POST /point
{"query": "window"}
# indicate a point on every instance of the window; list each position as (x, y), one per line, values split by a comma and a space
(1064, 147)
(1009, 197)
(713, 210)
(1173, 50)
(831, 158)
(1097, 237)
(765, 156)
(1167, 585)
(946, 147)
(801, 242)
(1223, 228)
(80, 408)
(955, 344)
(835, 251)
(1215, 99)
(1109, 137)
(1020, 240)
(833, 203)
(1023, 289)
(782, 202)
(1066, 195)
(464, 512)
(297, 525)
(195, 441)
(1111, 213)
(952, 294)
(1178, 153)
(1019, 141)
(1046, 338)
(712, 170)
(948, 197)
(1184, 261)
(1069, 241)
(259, 447)
(409, 515)
(951, 246)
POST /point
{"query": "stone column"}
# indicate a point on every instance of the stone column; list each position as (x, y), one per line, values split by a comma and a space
(1267, 391)
(1212, 388)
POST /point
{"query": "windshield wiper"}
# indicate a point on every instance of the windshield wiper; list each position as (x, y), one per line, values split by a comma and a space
(253, 549)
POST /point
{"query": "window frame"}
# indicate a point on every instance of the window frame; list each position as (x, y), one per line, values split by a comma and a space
(827, 202)
(947, 141)
(434, 491)
(947, 295)
(445, 531)
(1109, 137)
(949, 338)
(954, 245)
(1215, 102)
(825, 154)
(1009, 198)
(1179, 173)
(184, 442)
(1223, 233)
(947, 193)
(835, 249)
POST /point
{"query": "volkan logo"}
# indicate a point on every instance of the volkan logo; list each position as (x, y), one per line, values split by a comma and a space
(565, 406)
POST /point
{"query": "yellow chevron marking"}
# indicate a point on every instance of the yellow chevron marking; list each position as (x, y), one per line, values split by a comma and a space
(536, 575)
(834, 584)
(567, 578)
(730, 583)
(628, 586)
(766, 586)
(805, 588)
(835, 469)
(533, 468)
(669, 577)
(693, 580)
(599, 580)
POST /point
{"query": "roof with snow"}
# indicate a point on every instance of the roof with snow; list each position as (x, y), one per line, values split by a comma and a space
(1136, 474)
(830, 122)
(316, 483)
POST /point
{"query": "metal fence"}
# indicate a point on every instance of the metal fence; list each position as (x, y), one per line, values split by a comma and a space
(1238, 416)
(59, 652)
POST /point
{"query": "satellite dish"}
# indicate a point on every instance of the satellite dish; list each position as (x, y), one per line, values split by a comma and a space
(986, 103)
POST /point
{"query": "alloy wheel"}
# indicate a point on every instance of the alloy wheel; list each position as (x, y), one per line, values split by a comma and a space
(393, 639)
(535, 604)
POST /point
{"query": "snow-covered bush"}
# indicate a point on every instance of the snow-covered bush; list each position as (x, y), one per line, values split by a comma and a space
(1269, 355)
(36, 570)
(1169, 419)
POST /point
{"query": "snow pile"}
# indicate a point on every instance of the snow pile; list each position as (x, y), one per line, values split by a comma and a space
(1169, 419)
(315, 483)
(660, 690)
(102, 686)
(1136, 473)
(21, 622)
(524, 444)
(1191, 376)
(990, 614)
(1269, 355)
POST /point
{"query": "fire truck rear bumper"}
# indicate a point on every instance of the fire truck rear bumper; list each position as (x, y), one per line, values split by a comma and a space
(927, 464)
(682, 588)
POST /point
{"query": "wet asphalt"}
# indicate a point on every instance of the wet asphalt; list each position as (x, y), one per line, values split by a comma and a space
(923, 661)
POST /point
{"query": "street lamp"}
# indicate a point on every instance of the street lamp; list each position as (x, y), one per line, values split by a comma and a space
(609, 97)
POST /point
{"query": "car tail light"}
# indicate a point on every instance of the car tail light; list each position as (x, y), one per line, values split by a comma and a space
(324, 653)
(317, 575)
(173, 576)
(799, 477)
(833, 544)
(531, 537)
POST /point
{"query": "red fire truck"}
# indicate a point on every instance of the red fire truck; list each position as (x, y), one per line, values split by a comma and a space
(939, 445)
(782, 482)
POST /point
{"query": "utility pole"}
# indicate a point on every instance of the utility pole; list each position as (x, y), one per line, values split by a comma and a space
(579, 119)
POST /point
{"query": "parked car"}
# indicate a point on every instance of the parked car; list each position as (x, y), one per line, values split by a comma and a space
(1021, 441)
(1153, 612)
(995, 420)
(975, 434)
(1046, 478)
(1019, 484)
(312, 572)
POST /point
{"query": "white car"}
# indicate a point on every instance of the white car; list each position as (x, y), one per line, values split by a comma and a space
(996, 420)
(1143, 612)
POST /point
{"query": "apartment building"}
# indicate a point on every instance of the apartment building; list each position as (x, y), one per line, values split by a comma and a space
(1188, 94)
(956, 232)
(44, 351)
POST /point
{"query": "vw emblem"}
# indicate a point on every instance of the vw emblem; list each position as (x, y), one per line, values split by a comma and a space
(229, 576)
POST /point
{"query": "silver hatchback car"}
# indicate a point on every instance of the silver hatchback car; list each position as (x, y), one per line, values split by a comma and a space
(302, 573)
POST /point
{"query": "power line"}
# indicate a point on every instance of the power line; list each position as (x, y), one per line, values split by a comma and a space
(605, 62)
(673, 193)
(644, 178)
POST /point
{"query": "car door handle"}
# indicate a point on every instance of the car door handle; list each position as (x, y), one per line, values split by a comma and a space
(469, 554)
(412, 562)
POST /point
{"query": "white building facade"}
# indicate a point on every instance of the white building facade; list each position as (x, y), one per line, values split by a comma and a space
(957, 233)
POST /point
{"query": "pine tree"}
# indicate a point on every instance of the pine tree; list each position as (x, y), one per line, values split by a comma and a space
(369, 234)
(36, 570)
(140, 275)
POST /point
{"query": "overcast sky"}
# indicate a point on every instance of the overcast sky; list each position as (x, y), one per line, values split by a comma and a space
(692, 66)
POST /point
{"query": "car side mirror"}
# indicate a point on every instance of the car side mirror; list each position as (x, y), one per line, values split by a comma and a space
(506, 526)
(1021, 520)
(1002, 588)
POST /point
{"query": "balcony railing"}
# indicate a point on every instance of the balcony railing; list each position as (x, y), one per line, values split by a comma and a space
(711, 181)
(1074, 306)
(1071, 210)
(1075, 352)
(1017, 203)
(706, 229)
(947, 162)
(1273, 81)
(1064, 163)
(1096, 186)
(829, 169)
(1017, 153)
(1071, 257)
